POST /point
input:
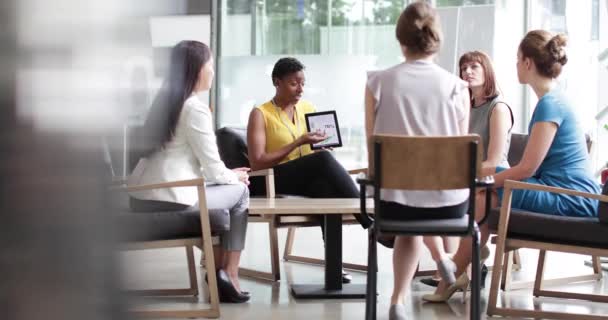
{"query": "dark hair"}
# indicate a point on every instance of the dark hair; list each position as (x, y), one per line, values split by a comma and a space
(418, 29)
(546, 50)
(490, 85)
(187, 59)
(286, 66)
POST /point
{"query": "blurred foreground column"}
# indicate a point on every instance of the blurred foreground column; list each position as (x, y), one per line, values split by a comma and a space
(56, 239)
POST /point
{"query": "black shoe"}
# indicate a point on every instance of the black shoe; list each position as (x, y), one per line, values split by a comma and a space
(387, 241)
(227, 292)
(246, 293)
(484, 274)
(430, 282)
(346, 277)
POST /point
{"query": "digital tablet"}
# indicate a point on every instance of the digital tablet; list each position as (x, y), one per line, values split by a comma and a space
(327, 122)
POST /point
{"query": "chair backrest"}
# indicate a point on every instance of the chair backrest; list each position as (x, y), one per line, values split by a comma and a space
(518, 144)
(232, 146)
(426, 163)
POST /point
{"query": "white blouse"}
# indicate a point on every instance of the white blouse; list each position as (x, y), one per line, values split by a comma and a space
(418, 98)
(191, 153)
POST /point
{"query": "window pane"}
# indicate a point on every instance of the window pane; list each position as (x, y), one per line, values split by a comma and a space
(576, 19)
(338, 41)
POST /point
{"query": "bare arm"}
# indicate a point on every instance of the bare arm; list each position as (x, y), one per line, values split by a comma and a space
(500, 124)
(540, 140)
(256, 140)
(465, 105)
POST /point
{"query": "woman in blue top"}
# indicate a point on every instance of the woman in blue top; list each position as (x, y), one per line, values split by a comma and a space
(555, 155)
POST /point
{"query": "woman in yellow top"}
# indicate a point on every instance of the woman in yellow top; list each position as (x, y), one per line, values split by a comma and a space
(278, 139)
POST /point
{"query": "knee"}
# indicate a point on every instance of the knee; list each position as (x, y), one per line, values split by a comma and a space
(324, 157)
(243, 191)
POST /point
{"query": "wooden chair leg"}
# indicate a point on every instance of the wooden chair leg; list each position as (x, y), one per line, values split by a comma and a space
(507, 270)
(291, 234)
(214, 310)
(500, 253)
(597, 266)
(275, 271)
(516, 260)
(540, 271)
(274, 251)
(192, 270)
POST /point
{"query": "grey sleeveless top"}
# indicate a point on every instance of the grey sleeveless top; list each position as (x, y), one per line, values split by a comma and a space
(480, 124)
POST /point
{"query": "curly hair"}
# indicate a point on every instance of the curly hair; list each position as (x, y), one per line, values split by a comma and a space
(286, 66)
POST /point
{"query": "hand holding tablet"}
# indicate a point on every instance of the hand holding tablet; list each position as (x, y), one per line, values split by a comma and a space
(324, 129)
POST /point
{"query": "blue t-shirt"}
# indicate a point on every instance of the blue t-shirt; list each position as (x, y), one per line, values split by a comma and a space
(566, 164)
(568, 151)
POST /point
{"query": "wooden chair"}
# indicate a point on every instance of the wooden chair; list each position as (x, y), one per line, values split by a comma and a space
(147, 231)
(148, 237)
(424, 163)
(521, 229)
(512, 258)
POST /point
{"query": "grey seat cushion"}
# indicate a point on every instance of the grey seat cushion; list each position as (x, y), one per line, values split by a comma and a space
(162, 225)
(556, 229)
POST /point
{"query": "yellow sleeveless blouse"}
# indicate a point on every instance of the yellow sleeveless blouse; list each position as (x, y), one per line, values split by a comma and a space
(280, 130)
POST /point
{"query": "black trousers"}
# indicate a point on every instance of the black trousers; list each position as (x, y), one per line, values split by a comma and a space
(397, 211)
(318, 175)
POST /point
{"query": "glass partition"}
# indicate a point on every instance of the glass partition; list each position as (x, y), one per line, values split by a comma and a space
(338, 41)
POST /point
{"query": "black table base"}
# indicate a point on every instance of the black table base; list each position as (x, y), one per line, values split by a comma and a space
(333, 287)
(318, 291)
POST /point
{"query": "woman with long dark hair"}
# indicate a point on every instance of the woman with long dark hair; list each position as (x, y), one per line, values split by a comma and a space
(181, 145)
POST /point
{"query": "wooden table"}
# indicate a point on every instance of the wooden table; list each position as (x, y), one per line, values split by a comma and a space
(332, 209)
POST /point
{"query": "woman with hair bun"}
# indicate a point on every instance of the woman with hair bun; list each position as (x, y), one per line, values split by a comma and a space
(556, 153)
(417, 98)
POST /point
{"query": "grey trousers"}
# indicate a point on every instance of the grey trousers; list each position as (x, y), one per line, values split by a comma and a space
(235, 199)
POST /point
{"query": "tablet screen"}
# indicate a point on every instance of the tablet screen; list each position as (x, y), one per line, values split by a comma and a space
(326, 122)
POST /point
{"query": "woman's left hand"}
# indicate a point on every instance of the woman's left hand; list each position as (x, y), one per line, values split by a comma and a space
(241, 173)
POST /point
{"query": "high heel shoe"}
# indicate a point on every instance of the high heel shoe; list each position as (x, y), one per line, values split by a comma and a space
(461, 284)
(226, 290)
(346, 277)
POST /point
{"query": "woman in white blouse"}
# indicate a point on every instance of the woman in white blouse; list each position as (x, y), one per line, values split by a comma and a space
(179, 132)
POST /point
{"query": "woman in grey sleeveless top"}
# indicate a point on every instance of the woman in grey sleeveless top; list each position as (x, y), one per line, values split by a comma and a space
(491, 117)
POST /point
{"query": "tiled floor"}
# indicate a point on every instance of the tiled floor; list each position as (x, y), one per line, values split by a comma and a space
(167, 268)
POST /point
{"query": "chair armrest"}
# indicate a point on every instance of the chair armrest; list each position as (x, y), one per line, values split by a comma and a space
(357, 171)
(268, 174)
(365, 217)
(180, 183)
(485, 182)
(511, 184)
(262, 173)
